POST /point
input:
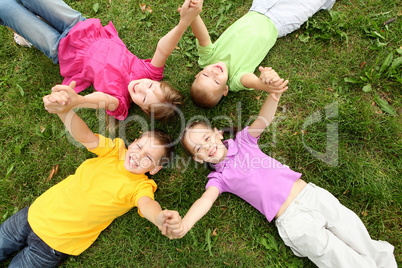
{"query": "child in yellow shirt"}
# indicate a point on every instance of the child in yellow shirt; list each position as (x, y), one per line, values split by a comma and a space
(68, 218)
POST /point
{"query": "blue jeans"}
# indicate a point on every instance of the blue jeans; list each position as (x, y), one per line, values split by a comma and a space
(20, 15)
(16, 235)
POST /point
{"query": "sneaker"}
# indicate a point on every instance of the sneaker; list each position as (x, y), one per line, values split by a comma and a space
(21, 41)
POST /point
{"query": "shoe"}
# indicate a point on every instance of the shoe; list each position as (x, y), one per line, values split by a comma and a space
(21, 41)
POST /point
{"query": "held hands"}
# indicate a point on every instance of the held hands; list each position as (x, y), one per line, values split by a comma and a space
(171, 224)
(189, 10)
(168, 220)
(272, 83)
(62, 99)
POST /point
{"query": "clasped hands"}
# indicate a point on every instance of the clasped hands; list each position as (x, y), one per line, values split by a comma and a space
(62, 99)
(272, 82)
(171, 224)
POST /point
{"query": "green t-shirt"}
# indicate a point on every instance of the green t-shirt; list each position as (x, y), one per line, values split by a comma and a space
(241, 47)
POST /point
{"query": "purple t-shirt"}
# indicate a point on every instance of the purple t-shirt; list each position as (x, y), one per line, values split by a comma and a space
(93, 54)
(252, 175)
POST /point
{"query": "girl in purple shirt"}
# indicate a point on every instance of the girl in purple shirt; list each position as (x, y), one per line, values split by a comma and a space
(89, 53)
(310, 220)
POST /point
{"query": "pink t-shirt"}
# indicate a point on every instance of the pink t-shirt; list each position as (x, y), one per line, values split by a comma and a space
(252, 175)
(93, 54)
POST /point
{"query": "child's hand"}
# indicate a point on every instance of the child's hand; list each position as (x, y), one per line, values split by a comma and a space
(176, 228)
(268, 75)
(272, 82)
(193, 3)
(62, 99)
(168, 218)
(189, 10)
(56, 102)
(69, 90)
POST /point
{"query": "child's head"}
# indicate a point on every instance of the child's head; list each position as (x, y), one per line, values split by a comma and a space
(148, 153)
(156, 98)
(204, 143)
(210, 85)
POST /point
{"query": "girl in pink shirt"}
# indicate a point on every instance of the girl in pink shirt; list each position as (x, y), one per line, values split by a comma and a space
(310, 220)
(89, 53)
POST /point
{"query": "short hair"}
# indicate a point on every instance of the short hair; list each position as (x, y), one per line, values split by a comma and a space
(170, 99)
(190, 126)
(201, 97)
(163, 139)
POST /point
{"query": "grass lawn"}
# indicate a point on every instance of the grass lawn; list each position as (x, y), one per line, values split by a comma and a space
(345, 78)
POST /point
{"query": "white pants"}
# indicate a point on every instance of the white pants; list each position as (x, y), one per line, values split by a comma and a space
(317, 226)
(289, 15)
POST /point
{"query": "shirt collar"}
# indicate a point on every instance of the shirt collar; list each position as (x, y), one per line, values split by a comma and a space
(232, 150)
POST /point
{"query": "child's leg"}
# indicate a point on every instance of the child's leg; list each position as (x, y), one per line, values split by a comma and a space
(349, 228)
(37, 254)
(289, 15)
(317, 226)
(14, 233)
(22, 19)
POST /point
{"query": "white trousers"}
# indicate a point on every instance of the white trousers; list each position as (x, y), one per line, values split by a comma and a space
(317, 226)
(289, 15)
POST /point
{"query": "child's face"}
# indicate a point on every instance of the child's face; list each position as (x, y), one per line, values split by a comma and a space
(145, 92)
(214, 78)
(205, 144)
(143, 156)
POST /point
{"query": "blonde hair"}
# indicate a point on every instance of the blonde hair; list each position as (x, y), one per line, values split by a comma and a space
(202, 97)
(170, 99)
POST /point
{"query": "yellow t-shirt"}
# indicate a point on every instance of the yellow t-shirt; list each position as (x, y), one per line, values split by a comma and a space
(71, 215)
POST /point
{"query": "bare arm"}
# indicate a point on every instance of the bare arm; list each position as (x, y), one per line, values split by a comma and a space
(196, 212)
(167, 43)
(75, 125)
(150, 209)
(200, 31)
(266, 115)
(277, 85)
(93, 100)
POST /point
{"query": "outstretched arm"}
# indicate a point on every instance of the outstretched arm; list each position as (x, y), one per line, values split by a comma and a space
(195, 213)
(266, 115)
(167, 43)
(200, 31)
(94, 100)
(75, 125)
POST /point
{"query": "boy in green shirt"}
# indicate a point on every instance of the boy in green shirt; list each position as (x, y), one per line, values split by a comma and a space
(230, 62)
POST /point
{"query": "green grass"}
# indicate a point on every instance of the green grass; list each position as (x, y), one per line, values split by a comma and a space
(351, 43)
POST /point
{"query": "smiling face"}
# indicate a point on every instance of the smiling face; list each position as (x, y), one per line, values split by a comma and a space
(205, 144)
(145, 92)
(209, 85)
(143, 156)
(215, 75)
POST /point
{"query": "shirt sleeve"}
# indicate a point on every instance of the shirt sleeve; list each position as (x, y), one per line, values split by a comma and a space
(216, 179)
(150, 71)
(245, 137)
(235, 82)
(107, 146)
(205, 54)
(145, 188)
(121, 112)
